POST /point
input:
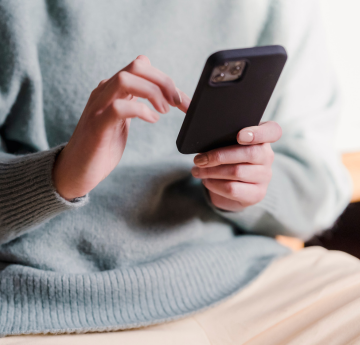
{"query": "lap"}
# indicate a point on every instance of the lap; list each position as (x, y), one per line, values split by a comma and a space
(308, 297)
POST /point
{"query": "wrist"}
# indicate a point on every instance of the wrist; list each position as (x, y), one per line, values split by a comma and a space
(62, 180)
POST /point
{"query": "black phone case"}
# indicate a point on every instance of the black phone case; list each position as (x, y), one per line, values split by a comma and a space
(218, 112)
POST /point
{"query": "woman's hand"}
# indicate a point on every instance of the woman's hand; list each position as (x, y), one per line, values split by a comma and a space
(238, 176)
(99, 139)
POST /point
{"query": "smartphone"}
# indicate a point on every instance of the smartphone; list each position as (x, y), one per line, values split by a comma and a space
(233, 92)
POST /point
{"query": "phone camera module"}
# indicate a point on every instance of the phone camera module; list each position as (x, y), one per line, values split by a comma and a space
(229, 71)
(219, 77)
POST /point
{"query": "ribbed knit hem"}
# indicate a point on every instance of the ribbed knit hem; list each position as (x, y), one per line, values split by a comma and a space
(176, 285)
(27, 193)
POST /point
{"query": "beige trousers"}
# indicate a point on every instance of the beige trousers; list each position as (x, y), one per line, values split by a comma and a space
(309, 297)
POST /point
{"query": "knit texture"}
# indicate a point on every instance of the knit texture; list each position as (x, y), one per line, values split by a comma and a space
(131, 297)
(148, 246)
(27, 195)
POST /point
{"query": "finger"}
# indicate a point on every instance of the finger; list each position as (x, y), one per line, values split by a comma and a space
(185, 101)
(144, 58)
(266, 132)
(248, 173)
(245, 193)
(184, 98)
(103, 82)
(126, 84)
(102, 85)
(122, 109)
(141, 68)
(225, 203)
(253, 154)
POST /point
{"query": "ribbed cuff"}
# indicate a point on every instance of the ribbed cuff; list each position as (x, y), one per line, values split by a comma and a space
(27, 194)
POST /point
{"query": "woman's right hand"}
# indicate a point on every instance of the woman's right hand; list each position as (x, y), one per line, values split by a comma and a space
(99, 139)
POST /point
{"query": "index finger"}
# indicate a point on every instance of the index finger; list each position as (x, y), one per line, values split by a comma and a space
(252, 154)
(141, 67)
(266, 132)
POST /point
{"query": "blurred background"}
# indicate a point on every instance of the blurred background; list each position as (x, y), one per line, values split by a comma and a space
(342, 29)
(342, 24)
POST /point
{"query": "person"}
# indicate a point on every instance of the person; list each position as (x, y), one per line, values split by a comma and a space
(104, 226)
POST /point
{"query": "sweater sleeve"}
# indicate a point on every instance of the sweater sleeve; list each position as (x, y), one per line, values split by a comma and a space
(27, 195)
(310, 187)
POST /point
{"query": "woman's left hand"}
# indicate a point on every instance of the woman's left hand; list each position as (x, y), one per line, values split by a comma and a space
(238, 176)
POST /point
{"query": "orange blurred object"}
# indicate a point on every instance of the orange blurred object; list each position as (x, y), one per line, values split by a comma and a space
(352, 162)
(291, 242)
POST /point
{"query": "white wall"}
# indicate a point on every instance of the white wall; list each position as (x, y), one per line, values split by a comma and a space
(342, 24)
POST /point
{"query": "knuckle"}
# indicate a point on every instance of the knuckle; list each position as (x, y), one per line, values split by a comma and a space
(102, 82)
(203, 173)
(258, 135)
(122, 78)
(277, 128)
(114, 107)
(143, 109)
(252, 152)
(231, 189)
(134, 66)
(217, 156)
(258, 195)
(238, 171)
(94, 93)
(269, 153)
(268, 175)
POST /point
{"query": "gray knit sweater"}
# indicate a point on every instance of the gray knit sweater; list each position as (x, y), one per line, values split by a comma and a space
(147, 246)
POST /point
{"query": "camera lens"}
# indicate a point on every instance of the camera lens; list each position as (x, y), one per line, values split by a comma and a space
(224, 67)
(235, 70)
(219, 77)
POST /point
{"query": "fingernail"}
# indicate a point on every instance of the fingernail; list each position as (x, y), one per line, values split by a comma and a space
(195, 172)
(246, 136)
(177, 98)
(201, 159)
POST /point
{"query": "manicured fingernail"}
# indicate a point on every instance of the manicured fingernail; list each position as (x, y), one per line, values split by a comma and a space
(201, 159)
(246, 136)
(177, 98)
(195, 171)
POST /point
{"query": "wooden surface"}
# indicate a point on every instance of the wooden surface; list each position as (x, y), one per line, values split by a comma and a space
(352, 162)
